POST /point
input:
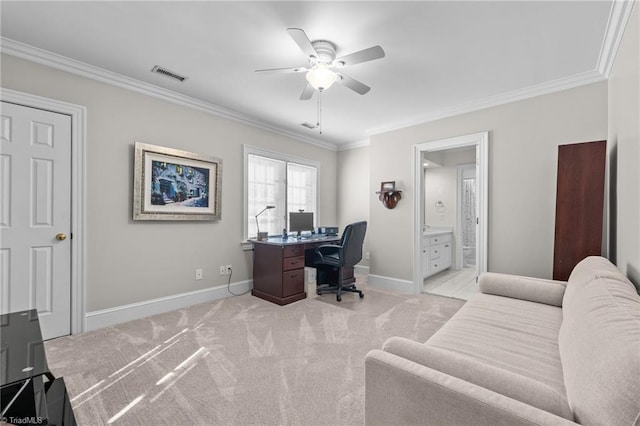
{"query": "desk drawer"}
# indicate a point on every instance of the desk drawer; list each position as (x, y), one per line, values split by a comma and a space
(289, 263)
(293, 251)
(292, 282)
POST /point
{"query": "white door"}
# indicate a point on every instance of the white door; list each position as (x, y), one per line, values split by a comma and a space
(35, 215)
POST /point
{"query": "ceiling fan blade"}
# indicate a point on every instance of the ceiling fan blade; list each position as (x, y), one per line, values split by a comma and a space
(303, 42)
(353, 84)
(307, 93)
(294, 69)
(365, 55)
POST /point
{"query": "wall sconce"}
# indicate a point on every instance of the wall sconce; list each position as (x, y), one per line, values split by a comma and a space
(389, 195)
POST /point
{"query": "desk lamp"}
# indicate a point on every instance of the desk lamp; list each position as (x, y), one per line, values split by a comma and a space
(262, 235)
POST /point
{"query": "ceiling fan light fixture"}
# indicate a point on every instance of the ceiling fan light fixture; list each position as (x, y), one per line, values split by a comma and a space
(320, 77)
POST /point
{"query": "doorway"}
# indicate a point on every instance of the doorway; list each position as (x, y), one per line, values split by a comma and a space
(43, 263)
(439, 219)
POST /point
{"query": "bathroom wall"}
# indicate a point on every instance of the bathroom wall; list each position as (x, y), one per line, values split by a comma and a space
(441, 184)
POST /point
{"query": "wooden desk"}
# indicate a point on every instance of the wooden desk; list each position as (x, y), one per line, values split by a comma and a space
(278, 267)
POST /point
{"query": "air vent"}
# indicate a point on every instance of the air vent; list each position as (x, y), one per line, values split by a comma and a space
(309, 125)
(168, 73)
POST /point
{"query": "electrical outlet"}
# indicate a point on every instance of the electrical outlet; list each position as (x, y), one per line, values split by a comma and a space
(228, 270)
(366, 255)
(198, 274)
(223, 270)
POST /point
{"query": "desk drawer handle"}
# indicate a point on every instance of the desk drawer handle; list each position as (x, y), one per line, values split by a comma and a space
(293, 275)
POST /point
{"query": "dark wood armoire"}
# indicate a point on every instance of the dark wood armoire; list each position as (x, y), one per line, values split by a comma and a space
(579, 205)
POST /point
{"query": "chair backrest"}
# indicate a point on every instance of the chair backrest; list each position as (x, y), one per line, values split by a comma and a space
(351, 242)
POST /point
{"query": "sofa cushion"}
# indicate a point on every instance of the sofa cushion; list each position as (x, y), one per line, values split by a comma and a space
(401, 392)
(469, 369)
(515, 335)
(600, 345)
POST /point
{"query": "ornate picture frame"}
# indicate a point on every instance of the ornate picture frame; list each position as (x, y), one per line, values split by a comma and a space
(170, 184)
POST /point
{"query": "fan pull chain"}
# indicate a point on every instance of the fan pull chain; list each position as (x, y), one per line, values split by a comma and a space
(319, 119)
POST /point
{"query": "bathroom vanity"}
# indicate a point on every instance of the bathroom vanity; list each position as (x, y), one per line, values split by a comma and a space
(436, 251)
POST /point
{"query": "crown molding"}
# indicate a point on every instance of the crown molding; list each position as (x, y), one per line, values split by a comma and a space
(63, 63)
(558, 85)
(618, 19)
(353, 145)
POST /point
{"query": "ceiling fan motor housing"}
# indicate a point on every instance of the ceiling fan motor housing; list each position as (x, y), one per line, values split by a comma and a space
(326, 51)
(324, 69)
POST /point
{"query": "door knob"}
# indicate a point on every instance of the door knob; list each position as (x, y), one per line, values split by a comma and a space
(61, 236)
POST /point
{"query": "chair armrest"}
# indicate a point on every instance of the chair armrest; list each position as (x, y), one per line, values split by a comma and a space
(537, 290)
(400, 391)
(328, 249)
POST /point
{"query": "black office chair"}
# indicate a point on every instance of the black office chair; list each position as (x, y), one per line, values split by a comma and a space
(331, 258)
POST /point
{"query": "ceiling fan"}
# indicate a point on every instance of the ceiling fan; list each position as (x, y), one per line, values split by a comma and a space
(324, 68)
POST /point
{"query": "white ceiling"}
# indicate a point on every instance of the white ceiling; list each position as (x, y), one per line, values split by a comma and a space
(440, 56)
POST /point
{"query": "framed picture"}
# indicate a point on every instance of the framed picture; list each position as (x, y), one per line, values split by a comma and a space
(387, 186)
(170, 184)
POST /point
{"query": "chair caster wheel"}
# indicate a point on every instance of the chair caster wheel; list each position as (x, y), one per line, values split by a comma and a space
(361, 295)
(339, 298)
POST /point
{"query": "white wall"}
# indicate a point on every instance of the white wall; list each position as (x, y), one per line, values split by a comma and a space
(353, 189)
(441, 185)
(624, 147)
(129, 261)
(524, 139)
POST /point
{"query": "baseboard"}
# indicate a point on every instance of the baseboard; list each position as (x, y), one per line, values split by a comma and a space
(361, 270)
(389, 283)
(111, 316)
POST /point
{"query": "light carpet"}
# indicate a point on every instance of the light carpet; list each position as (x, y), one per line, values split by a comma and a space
(240, 360)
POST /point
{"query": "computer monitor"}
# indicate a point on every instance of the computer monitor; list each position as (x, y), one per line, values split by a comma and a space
(300, 221)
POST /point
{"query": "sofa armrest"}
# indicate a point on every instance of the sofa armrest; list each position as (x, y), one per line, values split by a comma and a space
(400, 391)
(537, 290)
(504, 382)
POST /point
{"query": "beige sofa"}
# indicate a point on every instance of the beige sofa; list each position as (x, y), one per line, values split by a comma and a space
(523, 351)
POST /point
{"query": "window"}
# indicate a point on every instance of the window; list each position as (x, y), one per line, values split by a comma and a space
(301, 188)
(287, 183)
